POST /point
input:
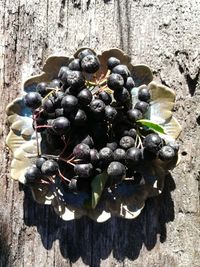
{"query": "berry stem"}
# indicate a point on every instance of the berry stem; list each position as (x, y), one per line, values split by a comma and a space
(63, 177)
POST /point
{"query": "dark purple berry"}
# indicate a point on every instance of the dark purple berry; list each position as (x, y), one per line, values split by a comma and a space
(42, 89)
(82, 151)
(115, 81)
(133, 156)
(106, 155)
(83, 170)
(75, 64)
(166, 153)
(110, 113)
(69, 103)
(50, 167)
(33, 100)
(112, 62)
(129, 83)
(97, 108)
(116, 171)
(122, 70)
(142, 106)
(105, 97)
(75, 79)
(32, 173)
(94, 156)
(144, 94)
(84, 97)
(39, 162)
(134, 115)
(63, 73)
(127, 142)
(61, 125)
(84, 53)
(122, 96)
(90, 64)
(153, 142)
(119, 154)
(112, 145)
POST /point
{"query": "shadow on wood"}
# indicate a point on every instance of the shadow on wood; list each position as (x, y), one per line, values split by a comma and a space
(92, 241)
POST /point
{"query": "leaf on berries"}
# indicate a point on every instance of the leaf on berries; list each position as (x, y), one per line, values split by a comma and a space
(151, 125)
(98, 185)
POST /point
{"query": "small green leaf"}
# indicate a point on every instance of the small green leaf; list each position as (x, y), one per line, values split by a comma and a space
(98, 185)
(152, 125)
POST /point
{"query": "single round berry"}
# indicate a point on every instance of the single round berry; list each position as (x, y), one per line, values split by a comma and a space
(152, 142)
(75, 64)
(32, 173)
(105, 97)
(69, 103)
(82, 151)
(142, 106)
(129, 83)
(61, 125)
(110, 113)
(33, 100)
(84, 97)
(122, 96)
(122, 70)
(115, 81)
(49, 105)
(59, 112)
(134, 115)
(127, 142)
(166, 153)
(112, 62)
(63, 73)
(50, 167)
(75, 79)
(116, 171)
(94, 156)
(84, 53)
(133, 156)
(58, 98)
(83, 170)
(144, 94)
(174, 145)
(119, 154)
(106, 155)
(90, 64)
(39, 162)
(97, 107)
(42, 89)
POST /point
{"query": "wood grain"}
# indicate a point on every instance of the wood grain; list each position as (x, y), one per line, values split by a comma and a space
(162, 34)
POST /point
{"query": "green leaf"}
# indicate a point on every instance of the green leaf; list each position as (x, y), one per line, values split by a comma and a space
(151, 125)
(98, 185)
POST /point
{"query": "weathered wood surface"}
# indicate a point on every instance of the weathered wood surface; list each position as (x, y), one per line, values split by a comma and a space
(166, 36)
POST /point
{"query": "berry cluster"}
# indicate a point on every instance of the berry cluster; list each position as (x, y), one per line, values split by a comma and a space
(88, 128)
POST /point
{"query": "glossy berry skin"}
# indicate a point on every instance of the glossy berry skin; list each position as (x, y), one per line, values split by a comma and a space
(82, 151)
(133, 156)
(142, 106)
(110, 113)
(61, 125)
(112, 62)
(75, 64)
(75, 79)
(84, 97)
(85, 53)
(116, 171)
(59, 112)
(130, 84)
(63, 73)
(106, 155)
(126, 142)
(83, 170)
(119, 154)
(50, 167)
(69, 103)
(174, 145)
(122, 70)
(32, 173)
(134, 115)
(80, 118)
(115, 81)
(144, 94)
(88, 141)
(97, 108)
(33, 100)
(166, 153)
(42, 89)
(55, 83)
(90, 64)
(105, 97)
(153, 142)
(49, 105)
(94, 156)
(122, 96)
(39, 162)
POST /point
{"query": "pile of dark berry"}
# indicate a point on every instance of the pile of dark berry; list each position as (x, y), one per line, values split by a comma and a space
(89, 128)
